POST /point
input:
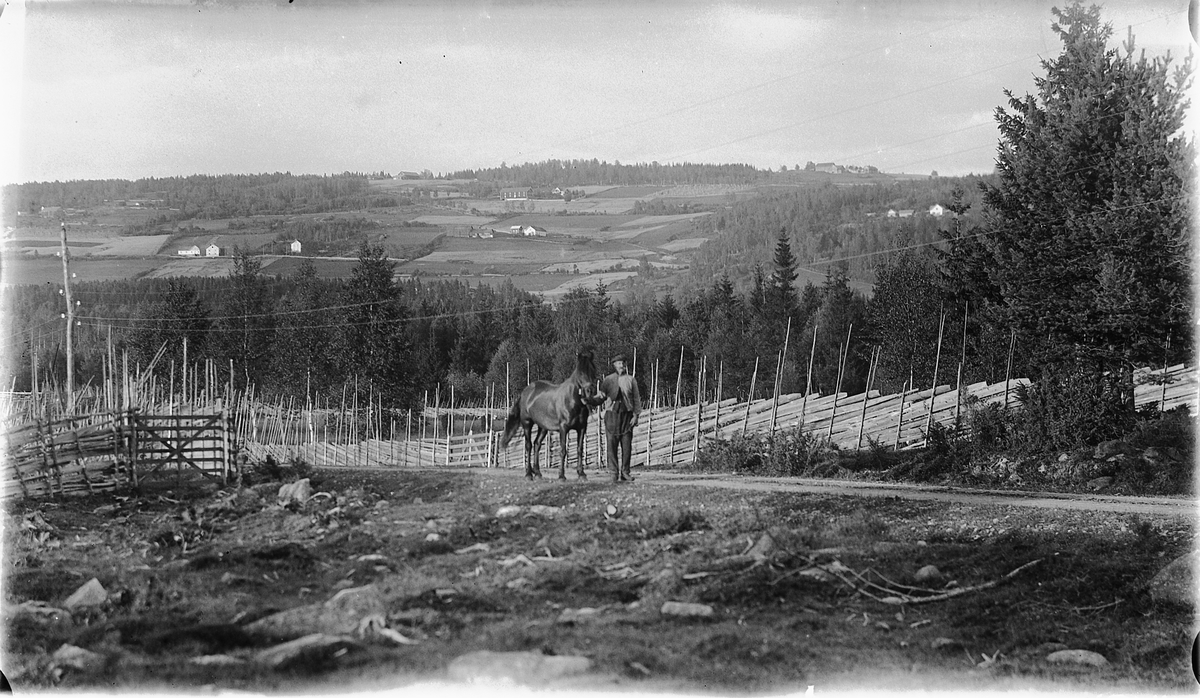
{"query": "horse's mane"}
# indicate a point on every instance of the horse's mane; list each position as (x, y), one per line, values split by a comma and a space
(585, 365)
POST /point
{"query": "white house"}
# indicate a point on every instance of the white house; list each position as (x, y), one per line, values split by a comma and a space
(937, 210)
(212, 250)
(193, 251)
(891, 213)
(905, 212)
(295, 247)
(516, 194)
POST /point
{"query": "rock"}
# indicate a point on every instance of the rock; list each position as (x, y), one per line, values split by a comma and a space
(90, 595)
(514, 667)
(1084, 657)
(298, 491)
(381, 504)
(574, 615)
(418, 501)
(343, 614)
(1176, 583)
(43, 613)
(1099, 483)
(1064, 457)
(543, 510)
(686, 610)
(763, 548)
(940, 643)
(216, 660)
(816, 574)
(509, 511)
(78, 658)
(1108, 449)
(432, 537)
(310, 648)
(517, 583)
(928, 573)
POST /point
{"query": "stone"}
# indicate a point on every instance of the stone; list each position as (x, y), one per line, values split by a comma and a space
(43, 613)
(509, 511)
(1108, 449)
(1064, 457)
(1099, 483)
(544, 510)
(1176, 583)
(514, 667)
(939, 643)
(314, 647)
(1083, 657)
(90, 595)
(343, 614)
(686, 610)
(216, 660)
(928, 573)
(78, 658)
(763, 548)
(298, 491)
(574, 615)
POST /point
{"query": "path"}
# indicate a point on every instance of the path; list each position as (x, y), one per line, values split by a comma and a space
(1122, 504)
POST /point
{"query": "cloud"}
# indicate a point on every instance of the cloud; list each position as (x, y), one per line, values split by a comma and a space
(758, 29)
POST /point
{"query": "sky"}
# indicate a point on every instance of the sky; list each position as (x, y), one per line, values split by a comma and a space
(97, 89)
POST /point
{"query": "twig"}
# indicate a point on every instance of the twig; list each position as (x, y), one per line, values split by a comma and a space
(966, 590)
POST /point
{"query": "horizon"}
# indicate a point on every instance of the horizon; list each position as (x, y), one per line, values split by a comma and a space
(107, 90)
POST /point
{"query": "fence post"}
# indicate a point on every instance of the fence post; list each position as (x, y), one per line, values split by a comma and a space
(750, 397)
(933, 389)
(862, 421)
(900, 419)
(1012, 343)
(837, 388)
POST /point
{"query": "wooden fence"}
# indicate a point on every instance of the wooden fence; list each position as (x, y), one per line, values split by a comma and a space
(93, 453)
(669, 436)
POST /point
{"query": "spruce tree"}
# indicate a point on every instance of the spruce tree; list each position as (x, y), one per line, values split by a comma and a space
(1088, 232)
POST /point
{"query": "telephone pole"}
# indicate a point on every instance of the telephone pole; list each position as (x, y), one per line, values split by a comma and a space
(70, 315)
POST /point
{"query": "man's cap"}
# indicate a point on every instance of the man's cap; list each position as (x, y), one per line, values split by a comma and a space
(618, 357)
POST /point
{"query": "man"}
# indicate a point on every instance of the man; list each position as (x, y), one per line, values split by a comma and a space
(622, 405)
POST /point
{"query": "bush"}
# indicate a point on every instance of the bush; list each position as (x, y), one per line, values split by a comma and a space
(1068, 410)
(785, 453)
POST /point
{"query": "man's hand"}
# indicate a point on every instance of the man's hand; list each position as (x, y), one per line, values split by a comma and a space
(633, 422)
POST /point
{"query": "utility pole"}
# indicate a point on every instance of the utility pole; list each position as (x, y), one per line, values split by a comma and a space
(70, 316)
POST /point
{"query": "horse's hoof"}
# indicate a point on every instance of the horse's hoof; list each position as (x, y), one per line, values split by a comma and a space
(582, 476)
(561, 476)
(529, 476)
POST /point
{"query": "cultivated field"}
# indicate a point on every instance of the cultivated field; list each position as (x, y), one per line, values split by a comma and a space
(26, 270)
(207, 589)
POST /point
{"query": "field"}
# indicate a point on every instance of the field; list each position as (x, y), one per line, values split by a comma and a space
(201, 588)
(48, 269)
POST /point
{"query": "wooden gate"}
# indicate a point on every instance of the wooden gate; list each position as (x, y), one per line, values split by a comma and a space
(91, 453)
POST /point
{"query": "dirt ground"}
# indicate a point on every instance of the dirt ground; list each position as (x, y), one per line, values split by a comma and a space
(202, 585)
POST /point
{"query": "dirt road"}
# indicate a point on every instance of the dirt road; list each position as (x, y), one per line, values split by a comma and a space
(1120, 504)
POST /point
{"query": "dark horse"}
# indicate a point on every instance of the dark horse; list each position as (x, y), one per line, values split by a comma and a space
(561, 407)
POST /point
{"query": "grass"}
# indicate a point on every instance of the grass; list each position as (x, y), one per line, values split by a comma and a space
(774, 629)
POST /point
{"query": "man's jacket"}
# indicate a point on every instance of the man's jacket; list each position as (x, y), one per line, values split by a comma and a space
(621, 394)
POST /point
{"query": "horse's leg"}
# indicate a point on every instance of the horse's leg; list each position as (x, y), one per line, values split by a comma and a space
(537, 450)
(579, 460)
(562, 449)
(528, 448)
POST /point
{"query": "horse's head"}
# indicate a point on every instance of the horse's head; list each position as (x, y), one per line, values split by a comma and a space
(587, 378)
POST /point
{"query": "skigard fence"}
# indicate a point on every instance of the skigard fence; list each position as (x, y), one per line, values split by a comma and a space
(672, 436)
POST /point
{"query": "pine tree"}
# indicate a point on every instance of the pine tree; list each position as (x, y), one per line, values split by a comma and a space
(374, 343)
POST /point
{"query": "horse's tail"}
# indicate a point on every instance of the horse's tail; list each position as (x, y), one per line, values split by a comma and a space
(511, 425)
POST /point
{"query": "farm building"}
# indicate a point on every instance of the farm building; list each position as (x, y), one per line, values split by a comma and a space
(937, 210)
(295, 247)
(212, 250)
(830, 167)
(484, 233)
(193, 251)
(528, 230)
(515, 194)
(406, 174)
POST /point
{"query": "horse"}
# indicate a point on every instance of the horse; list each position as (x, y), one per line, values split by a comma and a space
(561, 407)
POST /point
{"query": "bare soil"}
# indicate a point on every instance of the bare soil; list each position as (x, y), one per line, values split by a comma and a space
(188, 566)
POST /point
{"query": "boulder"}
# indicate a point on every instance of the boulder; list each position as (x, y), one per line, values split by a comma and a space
(298, 491)
(686, 610)
(90, 595)
(763, 548)
(1176, 583)
(514, 667)
(1082, 657)
(1108, 449)
(316, 647)
(1099, 483)
(928, 573)
(78, 658)
(343, 614)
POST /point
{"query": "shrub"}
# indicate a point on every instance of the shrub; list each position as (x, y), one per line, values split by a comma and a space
(790, 452)
(1068, 410)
